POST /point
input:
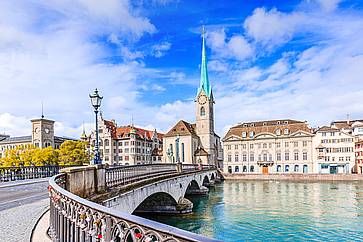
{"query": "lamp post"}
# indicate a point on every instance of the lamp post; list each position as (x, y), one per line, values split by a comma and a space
(96, 103)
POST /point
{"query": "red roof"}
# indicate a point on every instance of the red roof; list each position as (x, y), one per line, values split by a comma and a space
(124, 131)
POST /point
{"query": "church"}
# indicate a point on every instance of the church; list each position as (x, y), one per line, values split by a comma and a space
(196, 143)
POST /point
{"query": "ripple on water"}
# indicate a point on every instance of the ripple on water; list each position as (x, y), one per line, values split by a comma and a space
(276, 211)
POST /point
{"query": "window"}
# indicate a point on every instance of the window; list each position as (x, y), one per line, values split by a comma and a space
(126, 158)
(286, 144)
(278, 169)
(229, 169)
(120, 158)
(278, 132)
(296, 156)
(120, 143)
(229, 158)
(305, 155)
(347, 158)
(236, 169)
(264, 145)
(183, 157)
(236, 157)
(251, 146)
(244, 168)
(244, 134)
(305, 169)
(287, 156)
(278, 145)
(286, 131)
(287, 167)
(296, 168)
(244, 157)
(252, 157)
(251, 134)
(202, 111)
(252, 169)
(296, 144)
(126, 143)
(278, 156)
(101, 142)
(270, 157)
(270, 145)
(332, 133)
(264, 157)
(228, 147)
(323, 134)
(305, 143)
(236, 147)
(244, 146)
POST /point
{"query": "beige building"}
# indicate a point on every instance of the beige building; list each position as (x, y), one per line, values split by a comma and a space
(126, 145)
(196, 143)
(42, 136)
(273, 146)
(359, 156)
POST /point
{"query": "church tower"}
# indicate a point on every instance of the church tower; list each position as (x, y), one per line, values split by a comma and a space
(204, 108)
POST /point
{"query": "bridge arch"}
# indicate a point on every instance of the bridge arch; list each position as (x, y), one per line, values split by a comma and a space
(159, 201)
(205, 180)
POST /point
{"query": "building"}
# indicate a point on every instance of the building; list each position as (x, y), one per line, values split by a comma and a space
(196, 143)
(273, 146)
(334, 149)
(359, 156)
(42, 136)
(126, 145)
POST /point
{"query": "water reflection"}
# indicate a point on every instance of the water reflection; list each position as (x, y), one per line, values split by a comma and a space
(276, 211)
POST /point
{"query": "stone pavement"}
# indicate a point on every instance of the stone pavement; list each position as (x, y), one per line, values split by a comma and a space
(17, 223)
(41, 228)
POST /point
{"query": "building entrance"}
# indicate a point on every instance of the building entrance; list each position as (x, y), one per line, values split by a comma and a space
(265, 170)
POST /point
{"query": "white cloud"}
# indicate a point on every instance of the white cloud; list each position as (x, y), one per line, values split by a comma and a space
(236, 47)
(159, 50)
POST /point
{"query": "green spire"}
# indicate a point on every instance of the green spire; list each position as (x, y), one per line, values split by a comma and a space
(204, 81)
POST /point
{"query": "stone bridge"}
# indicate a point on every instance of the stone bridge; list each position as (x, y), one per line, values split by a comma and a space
(96, 203)
(165, 196)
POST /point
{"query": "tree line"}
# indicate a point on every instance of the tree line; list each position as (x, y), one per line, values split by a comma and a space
(69, 153)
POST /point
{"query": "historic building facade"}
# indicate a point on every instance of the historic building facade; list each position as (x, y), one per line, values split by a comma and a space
(42, 136)
(126, 145)
(197, 142)
(359, 156)
(274, 146)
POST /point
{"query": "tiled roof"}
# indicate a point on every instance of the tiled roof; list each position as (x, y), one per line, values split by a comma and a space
(268, 126)
(124, 132)
(19, 139)
(182, 128)
(111, 127)
(327, 129)
(157, 152)
(344, 124)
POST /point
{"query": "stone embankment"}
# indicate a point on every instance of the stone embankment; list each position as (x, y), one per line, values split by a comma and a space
(295, 177)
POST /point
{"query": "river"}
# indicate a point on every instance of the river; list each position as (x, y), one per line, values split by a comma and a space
(276, 211)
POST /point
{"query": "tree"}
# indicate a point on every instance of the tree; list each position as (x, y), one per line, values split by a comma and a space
(73, 153)
(45, 156)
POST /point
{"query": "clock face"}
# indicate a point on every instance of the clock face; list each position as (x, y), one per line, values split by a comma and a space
(202, 99)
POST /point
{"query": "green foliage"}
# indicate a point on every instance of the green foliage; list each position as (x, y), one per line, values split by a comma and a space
(70, 153)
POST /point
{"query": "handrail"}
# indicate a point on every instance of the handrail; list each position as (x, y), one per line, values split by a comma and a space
(73, 218)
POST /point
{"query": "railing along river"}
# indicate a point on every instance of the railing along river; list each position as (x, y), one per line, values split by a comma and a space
(28, 172)
(75, 219)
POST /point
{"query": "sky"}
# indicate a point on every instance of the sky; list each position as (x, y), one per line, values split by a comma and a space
(266, 60)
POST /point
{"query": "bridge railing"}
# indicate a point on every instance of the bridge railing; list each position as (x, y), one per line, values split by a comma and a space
(28, 172)
(123, 175)
(73, 218)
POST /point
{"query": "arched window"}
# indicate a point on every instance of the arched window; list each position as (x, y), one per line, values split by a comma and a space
(287, 168)
(244, 168)
(236, 169)
(101, 143)
(202, 111)
(229, 169)
(252, 169)
(305, 168)
(296, 168)
(278, 168)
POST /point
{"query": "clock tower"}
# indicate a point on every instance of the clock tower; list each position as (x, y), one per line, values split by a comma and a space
(204, 109)
(42, 132)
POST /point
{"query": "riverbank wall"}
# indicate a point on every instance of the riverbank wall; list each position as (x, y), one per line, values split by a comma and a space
(295, 177)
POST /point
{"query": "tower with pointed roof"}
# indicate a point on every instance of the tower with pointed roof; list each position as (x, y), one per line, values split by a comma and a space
(204, 103)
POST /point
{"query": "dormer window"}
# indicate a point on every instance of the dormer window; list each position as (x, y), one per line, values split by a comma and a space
(264, 124)
(252, 134)
(286, 131)
(286, 122)
(278, 122)
(244, 125)
(252, 124)
(278, 132)
(244, 134)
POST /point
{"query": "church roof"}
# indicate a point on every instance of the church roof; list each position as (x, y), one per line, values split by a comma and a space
(182, 128)
(204, 81)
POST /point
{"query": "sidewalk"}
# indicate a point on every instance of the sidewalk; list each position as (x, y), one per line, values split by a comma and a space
(23, 182)
(39, 233)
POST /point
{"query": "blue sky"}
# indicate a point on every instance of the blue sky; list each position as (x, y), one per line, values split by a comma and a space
(266, 59)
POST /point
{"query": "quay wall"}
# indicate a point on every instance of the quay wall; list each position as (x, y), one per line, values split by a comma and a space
(295, 177)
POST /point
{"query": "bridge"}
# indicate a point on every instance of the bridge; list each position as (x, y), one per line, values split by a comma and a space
(96, 203)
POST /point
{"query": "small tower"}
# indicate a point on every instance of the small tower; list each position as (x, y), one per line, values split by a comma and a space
(204, 107)
(84, 135)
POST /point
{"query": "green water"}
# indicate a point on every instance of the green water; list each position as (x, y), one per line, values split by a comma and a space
(276, 211)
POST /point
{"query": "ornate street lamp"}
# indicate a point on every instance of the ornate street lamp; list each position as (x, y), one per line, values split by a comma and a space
(96, 103)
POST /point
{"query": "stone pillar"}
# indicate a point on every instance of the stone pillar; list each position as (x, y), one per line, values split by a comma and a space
(179, 167)
(184, 206)
(197, 191)
(85, 181)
